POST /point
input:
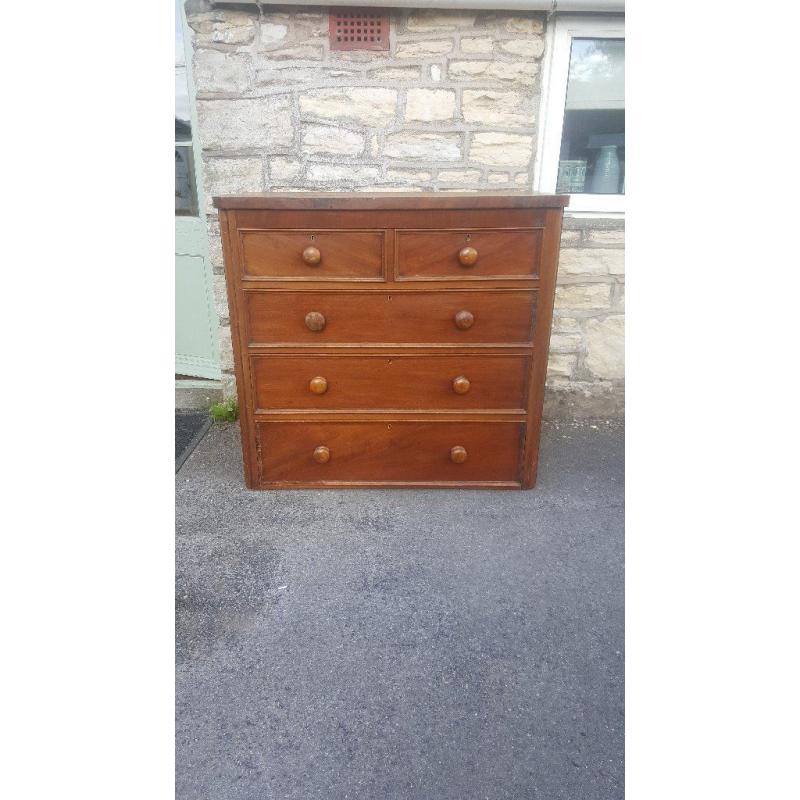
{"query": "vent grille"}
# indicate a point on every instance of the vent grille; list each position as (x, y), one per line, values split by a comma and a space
(354, 29)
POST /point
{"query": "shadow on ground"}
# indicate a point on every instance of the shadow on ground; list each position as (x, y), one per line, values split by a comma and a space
(432, 645)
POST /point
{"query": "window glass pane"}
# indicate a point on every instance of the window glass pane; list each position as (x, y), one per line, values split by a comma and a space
(592, 156)
(185, 195)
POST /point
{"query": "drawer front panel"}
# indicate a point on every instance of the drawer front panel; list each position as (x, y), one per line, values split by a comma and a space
(396, 451)
(468, 255)
(453, 317)
(313, 255)
(324, 382)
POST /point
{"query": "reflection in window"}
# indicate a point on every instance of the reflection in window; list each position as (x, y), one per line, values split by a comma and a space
(185, 192)
(185, 197)
(592, 156)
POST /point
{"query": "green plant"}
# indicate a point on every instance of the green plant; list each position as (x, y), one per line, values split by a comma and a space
(227, 411)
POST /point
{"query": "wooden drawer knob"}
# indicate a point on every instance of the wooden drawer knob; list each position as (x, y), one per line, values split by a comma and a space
(468, 256)
(458, 454)
(312, 256)
(318, 385)
(461, 384)
(322, 455)
(463, 320)
(315, 321)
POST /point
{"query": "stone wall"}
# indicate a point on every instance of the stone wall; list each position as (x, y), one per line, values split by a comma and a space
(451, 106)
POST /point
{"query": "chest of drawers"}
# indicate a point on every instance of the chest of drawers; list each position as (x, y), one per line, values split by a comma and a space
(390, 339)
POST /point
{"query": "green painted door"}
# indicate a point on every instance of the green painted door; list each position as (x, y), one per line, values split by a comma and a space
(196, 352)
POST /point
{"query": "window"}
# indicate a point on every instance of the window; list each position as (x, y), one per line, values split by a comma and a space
(582, 146)
(185, 185)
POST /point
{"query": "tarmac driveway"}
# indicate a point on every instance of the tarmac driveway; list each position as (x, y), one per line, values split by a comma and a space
(434, 645)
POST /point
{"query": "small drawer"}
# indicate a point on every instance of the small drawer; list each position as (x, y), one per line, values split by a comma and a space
(313, 255)
(457, 316)
(468, 254)
(323, 382)
(390, 452)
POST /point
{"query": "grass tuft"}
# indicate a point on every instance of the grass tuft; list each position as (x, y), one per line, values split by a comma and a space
(225, 412)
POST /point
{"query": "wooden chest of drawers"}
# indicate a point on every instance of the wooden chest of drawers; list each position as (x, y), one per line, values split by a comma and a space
(390, 339)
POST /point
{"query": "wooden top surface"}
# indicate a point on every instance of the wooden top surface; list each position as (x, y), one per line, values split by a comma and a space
(389, 200)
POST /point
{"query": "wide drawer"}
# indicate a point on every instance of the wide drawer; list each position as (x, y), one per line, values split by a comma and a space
(313, 255)
(332, 382)
(399, 452)
(460, 317)
(449, 254)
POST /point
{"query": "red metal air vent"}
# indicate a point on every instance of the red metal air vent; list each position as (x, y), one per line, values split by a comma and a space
(356, 29)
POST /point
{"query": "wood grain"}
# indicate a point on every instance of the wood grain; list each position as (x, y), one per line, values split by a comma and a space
(421, 371)
(389, 451)
(468, 254)
(393, 381)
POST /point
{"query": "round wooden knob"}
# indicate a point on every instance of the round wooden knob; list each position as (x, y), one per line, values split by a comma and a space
(463, 320)
(468, 256)
(322, 455)
(315, 321)
(312, 256)
(461, 384)
(318, 385)
(458, 455)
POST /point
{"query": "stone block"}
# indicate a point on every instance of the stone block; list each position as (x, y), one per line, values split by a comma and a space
(586, 261)
(501, 149)
(583, 296)
(562, 364)
(496, 108)
(424, 146)
(565, 342)
(523, 72)
(284, 169)
(225, 347)
(303, 52)
(605, 347)
(478, 44)
(424, 20)
(426, 49)
(459, 176)
(570, 238)
(330, 140)
(342, 173)
(232, 176)
(436, 72)
(406, 176)
(606, 237)
(528, 25)
(430, 105)
(272, 33)
(566, 325)
(497, 177)
(223, 27)
(220, 72)
(529, 47)
(265, 123)
(368, 106)
(395, 74)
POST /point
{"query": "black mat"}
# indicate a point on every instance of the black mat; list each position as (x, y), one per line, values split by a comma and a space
(190, 428)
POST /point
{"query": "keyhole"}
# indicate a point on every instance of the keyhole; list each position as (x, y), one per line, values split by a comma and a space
(313, 236)
(388, 427)
(469, 236)
(388, 297)
(389, 361)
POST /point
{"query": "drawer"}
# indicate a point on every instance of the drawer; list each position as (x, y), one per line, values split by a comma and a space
(372, 452)
(458, 317)
(333, 382)
(468, 254)
(313, 255)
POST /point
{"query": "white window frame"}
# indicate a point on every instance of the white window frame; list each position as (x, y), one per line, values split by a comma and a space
(554, 96)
